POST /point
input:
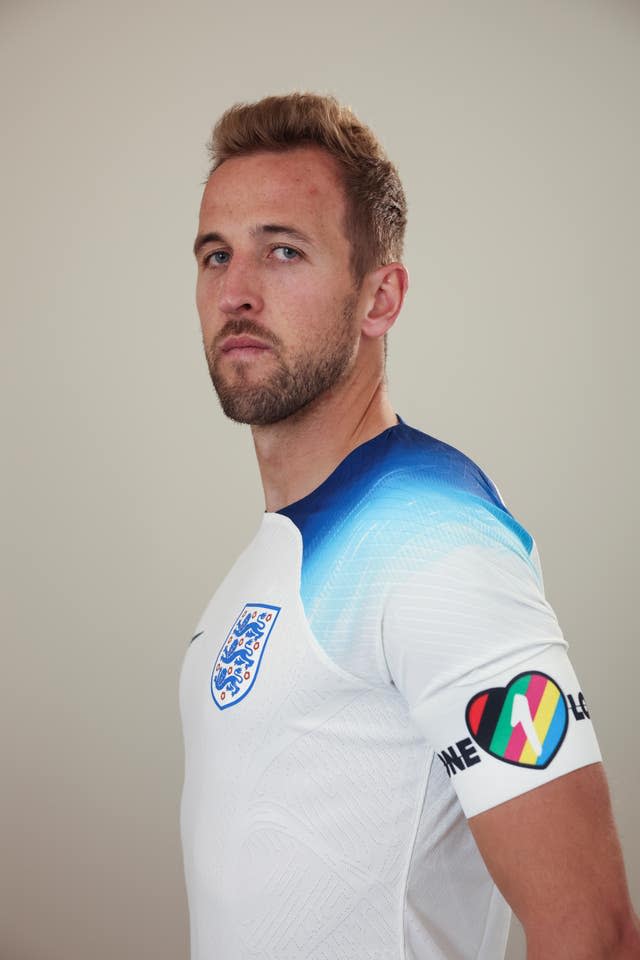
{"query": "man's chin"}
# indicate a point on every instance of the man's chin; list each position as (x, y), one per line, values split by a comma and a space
(258, 408)
(242, 405)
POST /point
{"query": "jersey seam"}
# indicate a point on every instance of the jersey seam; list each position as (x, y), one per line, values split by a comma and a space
(320, 654)
(416, 830)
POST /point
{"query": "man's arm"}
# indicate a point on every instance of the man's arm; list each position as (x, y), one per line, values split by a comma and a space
(555, 856)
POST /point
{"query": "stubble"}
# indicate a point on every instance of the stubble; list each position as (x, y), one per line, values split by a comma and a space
(296, 381)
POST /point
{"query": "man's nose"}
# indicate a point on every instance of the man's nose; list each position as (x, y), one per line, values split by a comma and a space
(240, 291)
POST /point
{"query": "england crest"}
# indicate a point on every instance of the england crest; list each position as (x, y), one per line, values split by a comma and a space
(236, 666)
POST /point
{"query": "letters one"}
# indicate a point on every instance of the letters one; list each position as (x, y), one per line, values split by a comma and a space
(465, 756)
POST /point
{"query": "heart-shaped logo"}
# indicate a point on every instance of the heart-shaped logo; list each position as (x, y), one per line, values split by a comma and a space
(523, 723)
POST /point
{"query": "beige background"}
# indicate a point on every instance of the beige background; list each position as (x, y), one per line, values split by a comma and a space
(126, 495)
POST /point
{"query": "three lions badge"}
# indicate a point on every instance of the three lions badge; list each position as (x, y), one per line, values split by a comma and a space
(237, 664)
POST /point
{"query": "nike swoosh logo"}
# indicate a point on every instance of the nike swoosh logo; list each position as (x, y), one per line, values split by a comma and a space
(195, 637)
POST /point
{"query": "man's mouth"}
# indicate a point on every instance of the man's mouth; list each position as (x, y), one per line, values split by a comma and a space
(243, 346)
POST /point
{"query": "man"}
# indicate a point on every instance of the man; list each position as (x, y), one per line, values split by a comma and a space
(382, 726)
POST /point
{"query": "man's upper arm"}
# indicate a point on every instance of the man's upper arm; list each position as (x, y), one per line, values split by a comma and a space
(476, 651)
(555, 856)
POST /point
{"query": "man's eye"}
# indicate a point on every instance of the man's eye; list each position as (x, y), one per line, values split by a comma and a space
(217, 258)
(286, 253)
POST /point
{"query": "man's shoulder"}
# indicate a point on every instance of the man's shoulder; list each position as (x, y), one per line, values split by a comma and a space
(412, 484)
(429, 466)
(404, 484)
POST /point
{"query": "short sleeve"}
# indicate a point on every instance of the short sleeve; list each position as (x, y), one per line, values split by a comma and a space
(477, 652)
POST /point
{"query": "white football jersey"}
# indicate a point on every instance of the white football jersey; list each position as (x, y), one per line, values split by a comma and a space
(379, 664)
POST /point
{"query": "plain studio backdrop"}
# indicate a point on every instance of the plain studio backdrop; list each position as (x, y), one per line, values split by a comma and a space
(127, 495)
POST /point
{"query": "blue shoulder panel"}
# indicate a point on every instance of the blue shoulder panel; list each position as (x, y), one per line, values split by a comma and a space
(400, 458)
(399, 501)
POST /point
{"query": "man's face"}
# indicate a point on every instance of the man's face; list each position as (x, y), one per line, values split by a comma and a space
(275, 293)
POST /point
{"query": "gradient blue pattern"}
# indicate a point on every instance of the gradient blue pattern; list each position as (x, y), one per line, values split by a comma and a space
(400, 500)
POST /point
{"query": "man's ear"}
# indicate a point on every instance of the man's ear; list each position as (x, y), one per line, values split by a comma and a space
(385, 288)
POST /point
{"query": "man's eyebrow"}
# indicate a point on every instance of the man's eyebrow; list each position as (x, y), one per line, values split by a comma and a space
(203, 238)
(270, 228)
(263, 228)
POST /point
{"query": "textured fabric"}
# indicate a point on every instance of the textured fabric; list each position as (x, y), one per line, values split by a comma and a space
(378, 660)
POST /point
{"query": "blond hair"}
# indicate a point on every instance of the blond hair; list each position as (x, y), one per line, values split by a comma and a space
(376, 214)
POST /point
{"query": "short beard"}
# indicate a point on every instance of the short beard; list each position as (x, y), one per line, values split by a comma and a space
(292, 386)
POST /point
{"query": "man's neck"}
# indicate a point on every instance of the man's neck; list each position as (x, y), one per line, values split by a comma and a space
(297, 454)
